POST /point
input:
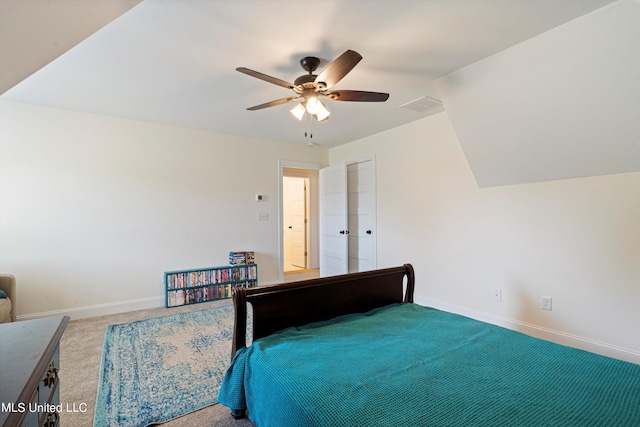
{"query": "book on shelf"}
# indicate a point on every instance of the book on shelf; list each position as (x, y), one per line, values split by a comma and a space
(208, 284)
(239, 258)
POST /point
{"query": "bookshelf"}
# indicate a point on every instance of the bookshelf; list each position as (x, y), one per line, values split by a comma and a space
(207, 284)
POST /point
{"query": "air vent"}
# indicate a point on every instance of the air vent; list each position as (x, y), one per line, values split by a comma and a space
(423, 104)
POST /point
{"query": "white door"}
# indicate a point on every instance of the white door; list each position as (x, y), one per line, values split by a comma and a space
(298, 198)
(361, 211)
(333, 221)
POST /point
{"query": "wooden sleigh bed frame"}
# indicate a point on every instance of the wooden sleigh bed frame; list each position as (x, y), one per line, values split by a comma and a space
(278, 307)
(387, 361)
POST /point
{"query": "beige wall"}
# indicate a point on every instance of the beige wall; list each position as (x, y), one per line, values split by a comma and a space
(94, 209)
(577, 241)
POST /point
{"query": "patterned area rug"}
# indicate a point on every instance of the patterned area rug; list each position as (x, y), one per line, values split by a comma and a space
(158, 369)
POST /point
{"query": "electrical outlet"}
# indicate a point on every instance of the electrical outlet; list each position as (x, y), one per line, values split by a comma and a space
(497, 295)
(545, 303)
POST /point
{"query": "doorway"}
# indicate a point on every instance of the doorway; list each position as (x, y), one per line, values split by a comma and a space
(298, 221)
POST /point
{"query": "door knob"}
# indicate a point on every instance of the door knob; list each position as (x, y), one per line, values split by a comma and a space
(341, 231)
(368, 231)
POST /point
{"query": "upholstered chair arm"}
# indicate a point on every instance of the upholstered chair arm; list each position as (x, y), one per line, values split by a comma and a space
(8, 285)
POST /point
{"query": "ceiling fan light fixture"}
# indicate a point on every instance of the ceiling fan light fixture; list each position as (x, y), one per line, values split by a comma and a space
(322, 114)
(298, 111)
(313, 105)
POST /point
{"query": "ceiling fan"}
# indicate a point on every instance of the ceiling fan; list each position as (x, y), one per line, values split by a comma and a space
(309, 88)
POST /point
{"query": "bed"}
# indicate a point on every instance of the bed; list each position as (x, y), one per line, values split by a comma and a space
(354, 350)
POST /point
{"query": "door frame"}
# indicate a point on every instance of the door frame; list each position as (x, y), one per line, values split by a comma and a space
(313, 213)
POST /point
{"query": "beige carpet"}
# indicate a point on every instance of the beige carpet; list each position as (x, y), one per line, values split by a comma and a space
(80, 355)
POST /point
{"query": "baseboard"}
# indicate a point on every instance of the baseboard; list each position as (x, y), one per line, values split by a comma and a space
(100, 309)
(552, 335)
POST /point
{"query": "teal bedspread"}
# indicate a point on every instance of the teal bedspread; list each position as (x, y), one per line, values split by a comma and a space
(408, 365)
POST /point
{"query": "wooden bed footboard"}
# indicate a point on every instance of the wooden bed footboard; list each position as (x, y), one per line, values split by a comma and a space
(278, 307)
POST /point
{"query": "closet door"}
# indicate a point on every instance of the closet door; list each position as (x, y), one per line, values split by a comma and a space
(348, 218)
(333, 221)
(361, 211)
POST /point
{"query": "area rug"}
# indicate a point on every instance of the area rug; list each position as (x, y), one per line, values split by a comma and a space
(158, 369)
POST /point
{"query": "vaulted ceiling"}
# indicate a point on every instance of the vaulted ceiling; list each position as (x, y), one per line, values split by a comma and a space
(525, 83)
(564, 104)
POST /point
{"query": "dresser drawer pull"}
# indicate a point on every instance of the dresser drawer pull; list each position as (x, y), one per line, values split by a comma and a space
(52, 420)
(52, 375)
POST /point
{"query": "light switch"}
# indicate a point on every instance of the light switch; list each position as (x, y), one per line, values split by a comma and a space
(263, 216)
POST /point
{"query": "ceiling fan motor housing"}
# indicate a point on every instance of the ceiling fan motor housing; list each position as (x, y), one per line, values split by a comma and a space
(307, 81)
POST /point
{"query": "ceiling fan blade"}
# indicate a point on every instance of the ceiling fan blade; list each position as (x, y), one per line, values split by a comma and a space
(338, 68)
(273, 103)
(265, 77)
(357, 95)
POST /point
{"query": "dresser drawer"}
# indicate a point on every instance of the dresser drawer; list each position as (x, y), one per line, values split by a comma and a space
(48, 384)
(43, 406)
(49, 393)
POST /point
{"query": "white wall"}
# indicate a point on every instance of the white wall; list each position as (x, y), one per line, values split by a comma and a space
(577, 241)
(94, 209)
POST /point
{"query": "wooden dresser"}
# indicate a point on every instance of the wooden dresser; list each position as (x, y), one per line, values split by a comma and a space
(29, 364)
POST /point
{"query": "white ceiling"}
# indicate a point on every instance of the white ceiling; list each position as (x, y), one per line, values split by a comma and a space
(564, 104)
(35, 32)
(173, 62)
